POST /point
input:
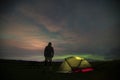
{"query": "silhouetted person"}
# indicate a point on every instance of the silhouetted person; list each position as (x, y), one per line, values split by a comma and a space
(48, 53)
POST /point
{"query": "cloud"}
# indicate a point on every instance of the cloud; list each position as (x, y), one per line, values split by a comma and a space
(71, 27)
(70, 33)
(23, 35)
(40, 18)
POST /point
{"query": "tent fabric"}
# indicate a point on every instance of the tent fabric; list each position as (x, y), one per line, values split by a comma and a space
(73, 62)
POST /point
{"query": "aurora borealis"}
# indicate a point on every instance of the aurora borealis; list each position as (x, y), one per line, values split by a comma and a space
(75, 27)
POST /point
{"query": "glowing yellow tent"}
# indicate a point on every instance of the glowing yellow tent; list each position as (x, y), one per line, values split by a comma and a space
(75, 64)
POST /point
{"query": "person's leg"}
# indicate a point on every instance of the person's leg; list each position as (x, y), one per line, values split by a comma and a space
(46, 60)
(50, 61)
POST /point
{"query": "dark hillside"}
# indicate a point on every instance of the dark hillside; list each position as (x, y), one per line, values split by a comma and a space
(30, 70)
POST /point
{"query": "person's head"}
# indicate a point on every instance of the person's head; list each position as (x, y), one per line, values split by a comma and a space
(49, 44)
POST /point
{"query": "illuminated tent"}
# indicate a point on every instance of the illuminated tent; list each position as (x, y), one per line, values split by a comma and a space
(75, 64)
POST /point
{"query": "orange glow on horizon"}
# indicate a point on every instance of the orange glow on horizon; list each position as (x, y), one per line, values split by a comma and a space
(33, 44)
(26, 43)
(24, 37)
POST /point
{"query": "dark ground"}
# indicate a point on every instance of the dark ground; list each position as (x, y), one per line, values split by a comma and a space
(29, 70)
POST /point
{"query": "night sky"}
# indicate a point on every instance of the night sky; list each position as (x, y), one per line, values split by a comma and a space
(86, 28)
